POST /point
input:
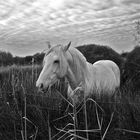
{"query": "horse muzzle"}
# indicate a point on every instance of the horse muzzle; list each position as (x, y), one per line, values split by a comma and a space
(43, 89)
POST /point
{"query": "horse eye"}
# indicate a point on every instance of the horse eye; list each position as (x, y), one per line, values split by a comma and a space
(56, 61)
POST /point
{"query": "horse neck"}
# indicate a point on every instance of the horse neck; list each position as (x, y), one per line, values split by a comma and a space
(76, 75)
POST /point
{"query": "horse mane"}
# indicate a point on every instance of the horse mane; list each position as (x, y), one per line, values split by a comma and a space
(79, 62)
(78, 57)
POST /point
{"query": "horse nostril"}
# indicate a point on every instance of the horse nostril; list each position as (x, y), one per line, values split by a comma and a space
(41, 86)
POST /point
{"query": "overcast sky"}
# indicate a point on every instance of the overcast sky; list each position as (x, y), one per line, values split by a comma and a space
(26, 25)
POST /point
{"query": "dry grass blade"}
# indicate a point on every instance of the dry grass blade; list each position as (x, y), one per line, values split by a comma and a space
(92, 130)
(72, 134)
(35, 133)
(108, 126)
(61, 130)
(69, 114)
(22, 135)
(75, 119)
(36, 128)
(49, 128)
(25, 111)
(86, 123)
(62, 137)
(90, 99)
(77, 130)
(68, 137)
(65, 99)
(97, 115)
(129, 131)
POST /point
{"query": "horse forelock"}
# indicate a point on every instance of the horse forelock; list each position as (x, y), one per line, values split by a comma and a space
(52, 49)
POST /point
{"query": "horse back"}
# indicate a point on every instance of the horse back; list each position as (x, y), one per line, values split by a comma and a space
(107, 74)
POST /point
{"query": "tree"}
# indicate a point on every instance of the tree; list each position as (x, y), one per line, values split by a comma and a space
(137, 33)
(94, 53)
(6, 58)
(131, 74)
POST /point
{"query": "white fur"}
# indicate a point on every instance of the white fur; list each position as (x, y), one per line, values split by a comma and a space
(103, 75)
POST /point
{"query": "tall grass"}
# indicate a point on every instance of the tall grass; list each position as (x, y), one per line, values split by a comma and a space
(25, 113)
(23, 102)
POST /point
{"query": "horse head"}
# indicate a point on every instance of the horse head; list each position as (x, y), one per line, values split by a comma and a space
(55, 66)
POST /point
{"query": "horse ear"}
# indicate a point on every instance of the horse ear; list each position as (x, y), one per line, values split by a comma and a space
(67, 46)
(49, 45)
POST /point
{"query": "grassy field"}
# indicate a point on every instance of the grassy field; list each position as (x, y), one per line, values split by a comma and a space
(26, 113)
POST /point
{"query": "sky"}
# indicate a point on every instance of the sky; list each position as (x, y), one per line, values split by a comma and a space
(27, 25)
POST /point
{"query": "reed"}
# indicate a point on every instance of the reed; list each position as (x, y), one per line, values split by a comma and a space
(24, 111)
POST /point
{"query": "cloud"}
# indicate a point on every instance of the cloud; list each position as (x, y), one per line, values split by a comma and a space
(63, 19)
(61, 13)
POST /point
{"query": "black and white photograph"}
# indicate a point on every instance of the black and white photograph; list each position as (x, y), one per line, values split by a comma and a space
(69, 69)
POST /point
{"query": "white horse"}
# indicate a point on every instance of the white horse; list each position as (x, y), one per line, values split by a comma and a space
(65, 61)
